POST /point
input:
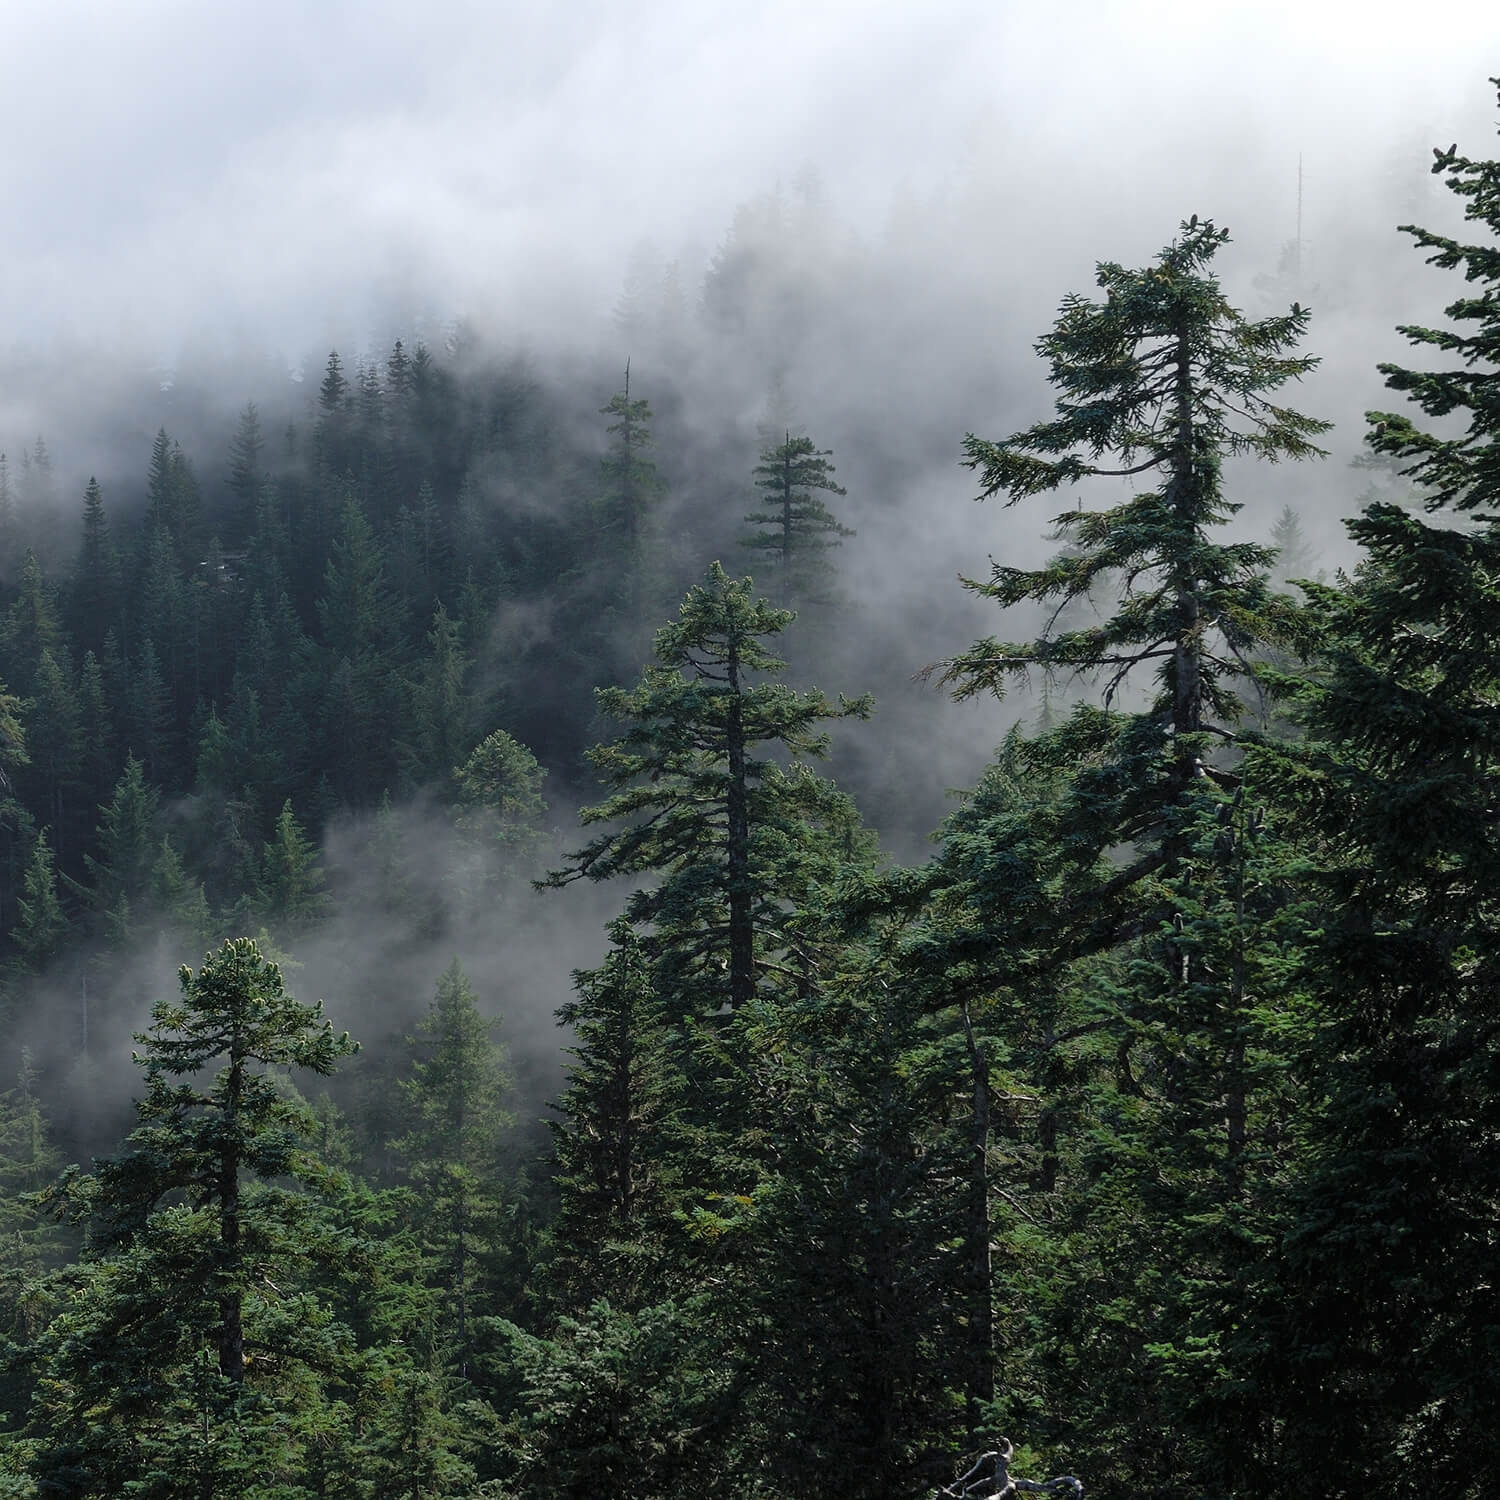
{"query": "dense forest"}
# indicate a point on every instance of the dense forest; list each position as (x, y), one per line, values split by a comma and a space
(1150, 1123)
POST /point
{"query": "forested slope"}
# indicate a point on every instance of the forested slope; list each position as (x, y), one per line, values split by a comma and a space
(1151, 1120)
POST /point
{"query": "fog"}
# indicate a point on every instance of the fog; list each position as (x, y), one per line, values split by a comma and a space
(202, 200)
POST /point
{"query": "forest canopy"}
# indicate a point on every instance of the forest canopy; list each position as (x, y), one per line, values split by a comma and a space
(1147, 1129)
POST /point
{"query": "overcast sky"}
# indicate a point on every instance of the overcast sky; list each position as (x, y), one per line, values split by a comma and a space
(176, 167)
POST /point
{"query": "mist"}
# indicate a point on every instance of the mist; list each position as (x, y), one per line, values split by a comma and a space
(849, 221)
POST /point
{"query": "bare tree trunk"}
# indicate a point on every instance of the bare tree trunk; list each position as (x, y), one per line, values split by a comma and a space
(981, 1362)
(741, 927)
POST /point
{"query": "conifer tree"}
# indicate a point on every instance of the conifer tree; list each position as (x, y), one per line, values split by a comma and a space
(181, 1348)
(632, 490)
(1162, 378)
(1375, 1330)
(54, 736)
(127, 842)
(613, 1141)
(290, 893)
(498, 792)
(732, 836)
(31, 626)
(455, 1104)
(42, 931)
(800, 526)
(95, 594)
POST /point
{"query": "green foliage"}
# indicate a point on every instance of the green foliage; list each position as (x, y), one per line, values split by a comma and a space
(454, 1105)
(42, 931)
(290, 894)
(499, 794)
(801, 528)
(737, 841)
(1381, 1318)
(1165, 378)
(182, 1356)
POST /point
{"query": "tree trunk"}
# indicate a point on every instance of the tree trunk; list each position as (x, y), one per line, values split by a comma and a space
(741, 928)
(231, 1326)
(980, 1387)
(1187, 696)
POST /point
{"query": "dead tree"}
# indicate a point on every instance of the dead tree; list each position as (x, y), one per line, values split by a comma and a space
(991, 1479)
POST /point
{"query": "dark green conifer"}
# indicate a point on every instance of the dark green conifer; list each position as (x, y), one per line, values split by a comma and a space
(732, 835)
(1377, 1327)
(800, 527)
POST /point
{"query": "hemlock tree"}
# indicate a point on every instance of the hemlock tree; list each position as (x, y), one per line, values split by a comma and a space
(1127, 891)
(736, 840)
(1377, 1334)
(1162, 378)
(800, 526)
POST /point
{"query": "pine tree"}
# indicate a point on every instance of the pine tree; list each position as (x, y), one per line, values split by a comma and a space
(801, 528)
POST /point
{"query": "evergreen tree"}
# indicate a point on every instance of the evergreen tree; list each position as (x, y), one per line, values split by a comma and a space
(290, 893)
(440, 704)
(1164, 378)
(95, 595)
(732, 835)
(1375, 1328)
(455, 1108)
(246, 470)
(127, 842)
(632, 490)
(612, 1144)
(54, 737)
(1294, 557)
(32, 626)
(42, 932)
(498, 791)
(7, 521)
(801, 528)
(188, 1358)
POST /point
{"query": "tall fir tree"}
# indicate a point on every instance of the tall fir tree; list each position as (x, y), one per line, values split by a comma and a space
(800, 528)
(733, 836)
(1373, 1336)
